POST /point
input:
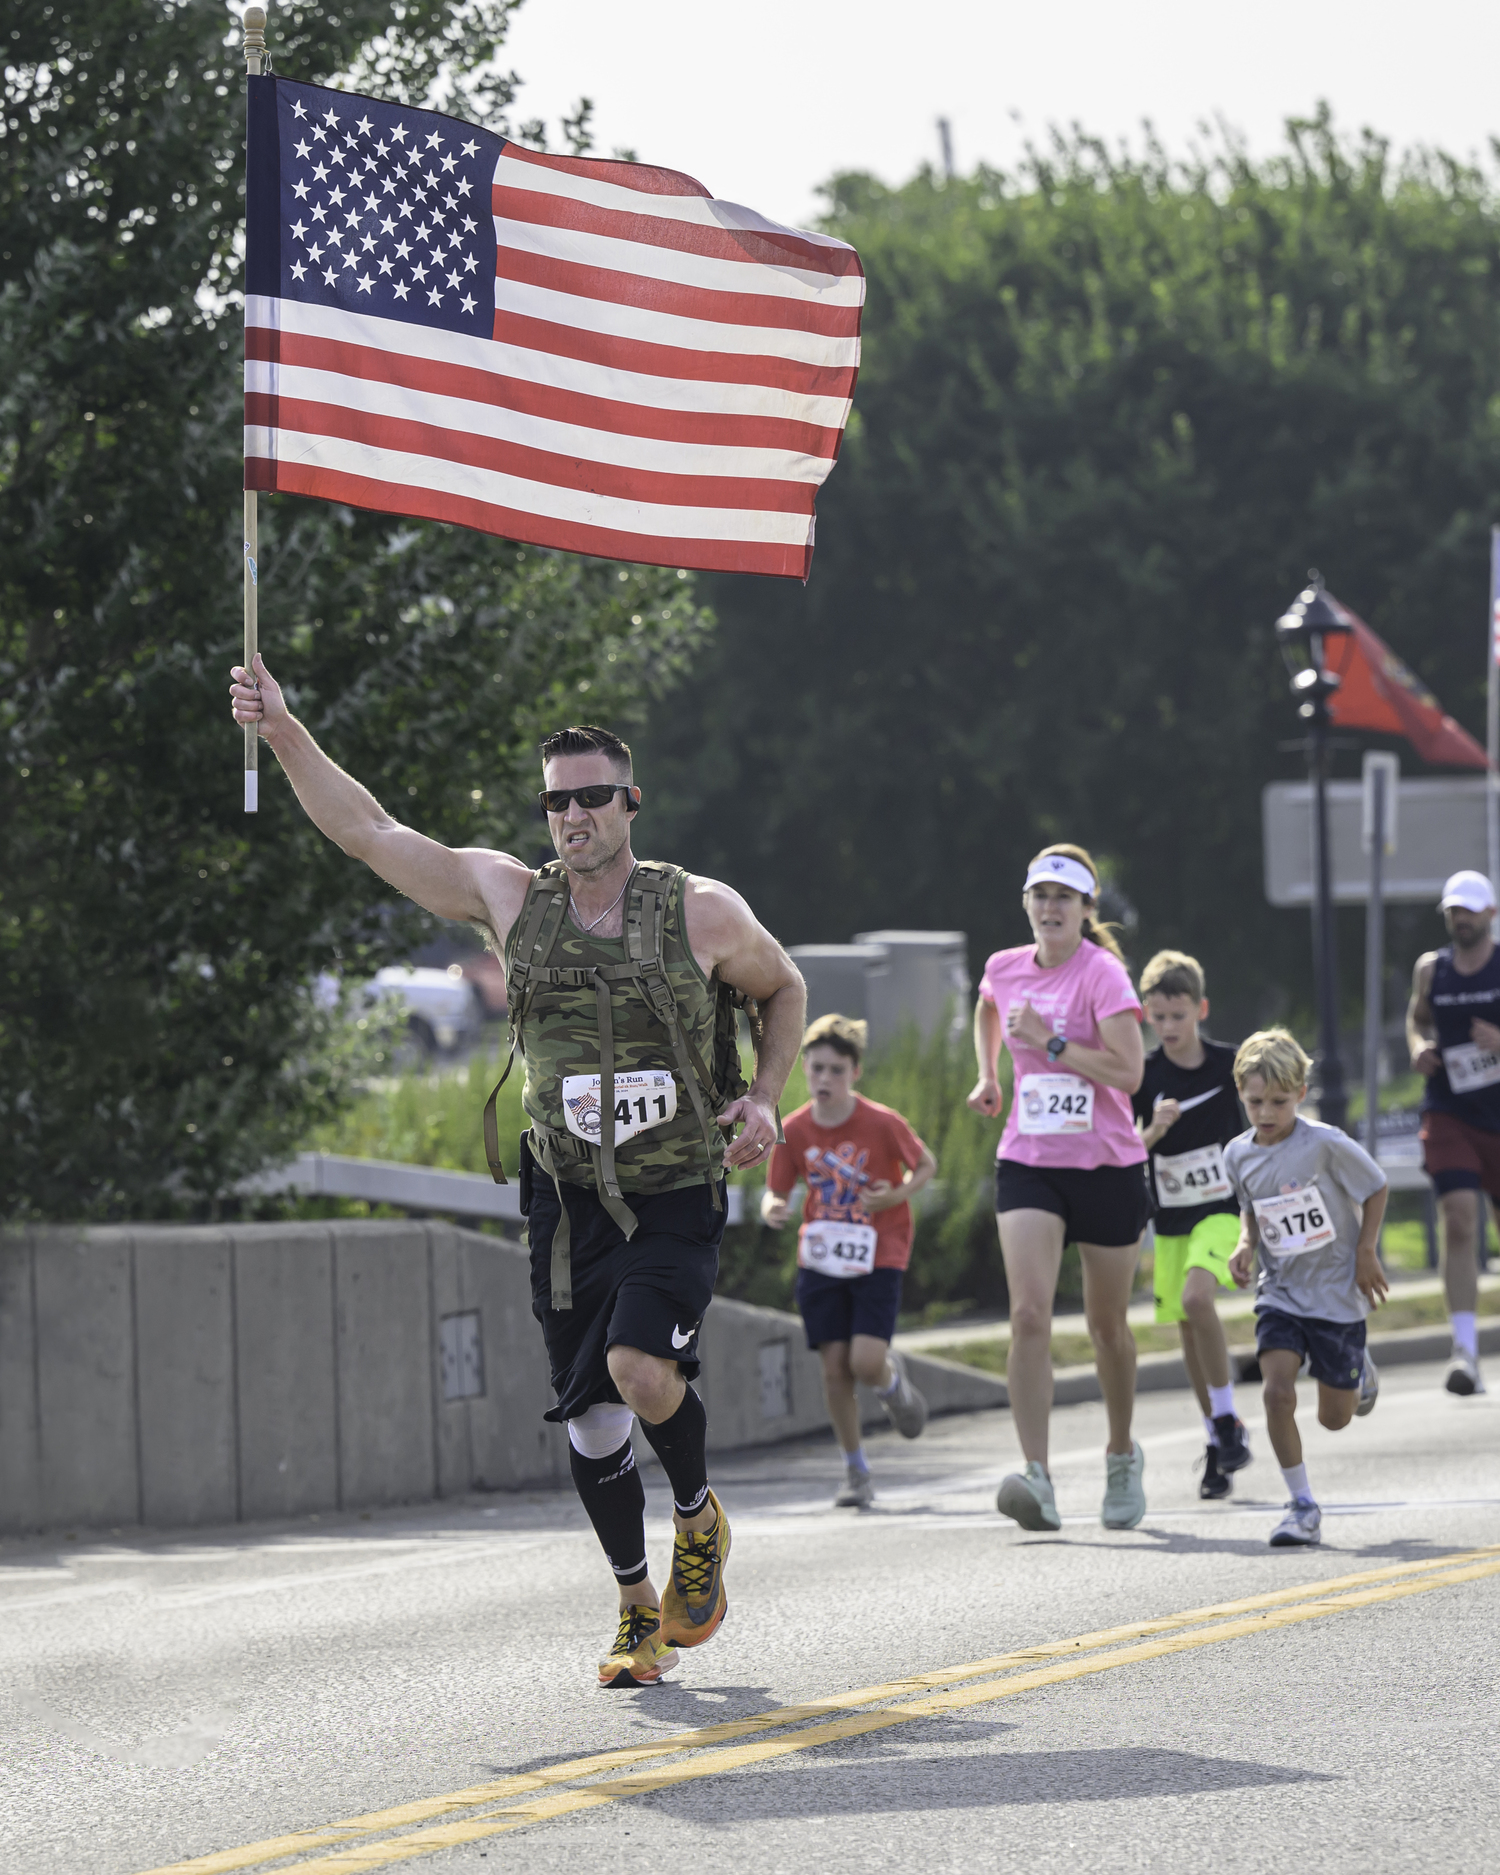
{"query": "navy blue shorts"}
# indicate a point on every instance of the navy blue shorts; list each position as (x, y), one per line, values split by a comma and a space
(836, 1308)
(1335, 1350)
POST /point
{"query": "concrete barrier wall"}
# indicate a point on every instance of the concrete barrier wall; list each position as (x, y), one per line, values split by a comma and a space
(170, 1376)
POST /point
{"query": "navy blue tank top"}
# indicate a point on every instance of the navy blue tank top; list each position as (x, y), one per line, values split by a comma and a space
(1456, 1000)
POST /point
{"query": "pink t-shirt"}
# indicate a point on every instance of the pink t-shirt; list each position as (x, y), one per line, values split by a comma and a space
(1074, 998)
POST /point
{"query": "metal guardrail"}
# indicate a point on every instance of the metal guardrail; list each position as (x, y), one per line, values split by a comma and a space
(410, 1187)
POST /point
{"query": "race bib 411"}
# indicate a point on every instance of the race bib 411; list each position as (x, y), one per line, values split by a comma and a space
(642, 1100)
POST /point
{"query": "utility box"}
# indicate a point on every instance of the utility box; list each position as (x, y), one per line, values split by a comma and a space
(892, 980)
(927, 978)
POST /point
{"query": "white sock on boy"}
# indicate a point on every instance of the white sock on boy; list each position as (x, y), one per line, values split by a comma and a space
(1221, 1399)
(1296, 1481)
(1466, 1332)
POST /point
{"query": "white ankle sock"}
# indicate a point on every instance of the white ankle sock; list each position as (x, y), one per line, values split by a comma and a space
(1296, 1480)
(1221, 1399)
(884, 1393)
(856, 1460)
(1466, 1332)
(1208, 1427)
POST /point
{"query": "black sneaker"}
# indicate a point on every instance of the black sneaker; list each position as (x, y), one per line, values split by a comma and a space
(1234, 1442)
(1215, 1482)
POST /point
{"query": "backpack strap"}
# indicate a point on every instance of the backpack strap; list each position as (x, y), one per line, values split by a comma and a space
(645, 928)
(542, 913)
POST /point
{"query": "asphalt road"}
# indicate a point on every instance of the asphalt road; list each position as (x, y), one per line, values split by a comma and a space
(165, 1698)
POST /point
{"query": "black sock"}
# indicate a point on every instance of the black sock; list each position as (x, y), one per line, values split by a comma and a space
(615, 1500)
(681, 1443)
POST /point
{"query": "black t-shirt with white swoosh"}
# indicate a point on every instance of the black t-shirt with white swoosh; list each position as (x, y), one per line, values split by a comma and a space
(1211, 1116)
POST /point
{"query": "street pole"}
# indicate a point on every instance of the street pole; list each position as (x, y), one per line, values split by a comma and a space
(1379, 810)
(1492, 713)
(1333, 1103)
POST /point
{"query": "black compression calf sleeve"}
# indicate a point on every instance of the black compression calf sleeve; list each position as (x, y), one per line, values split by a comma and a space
(681, 1443)
(615, 1500)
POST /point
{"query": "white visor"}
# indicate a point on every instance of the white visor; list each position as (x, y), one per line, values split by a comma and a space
(1470, 891)
(1061, 870)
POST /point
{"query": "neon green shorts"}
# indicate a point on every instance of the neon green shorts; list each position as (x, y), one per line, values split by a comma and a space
(1209, 1247)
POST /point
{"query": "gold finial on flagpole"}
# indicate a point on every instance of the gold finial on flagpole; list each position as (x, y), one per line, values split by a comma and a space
(255, 53)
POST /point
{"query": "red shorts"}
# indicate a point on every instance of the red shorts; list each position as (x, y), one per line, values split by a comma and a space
(1460, 1157)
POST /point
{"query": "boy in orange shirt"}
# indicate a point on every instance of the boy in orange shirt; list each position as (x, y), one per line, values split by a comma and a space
(861, 1163)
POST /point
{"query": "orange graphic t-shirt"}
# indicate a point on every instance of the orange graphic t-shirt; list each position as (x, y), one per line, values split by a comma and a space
(837, 1162)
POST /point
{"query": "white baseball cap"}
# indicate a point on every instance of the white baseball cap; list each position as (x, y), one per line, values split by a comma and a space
(1470, 891)
(1062, 871)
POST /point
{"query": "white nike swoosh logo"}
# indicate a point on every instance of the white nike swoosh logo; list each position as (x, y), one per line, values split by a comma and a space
(1183, 1106)
(679, 1339)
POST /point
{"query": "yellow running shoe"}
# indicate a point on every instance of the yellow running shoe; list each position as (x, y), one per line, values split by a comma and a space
(639, 1656)
(695, 1603)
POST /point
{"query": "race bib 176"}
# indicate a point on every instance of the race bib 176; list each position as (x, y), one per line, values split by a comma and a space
(836, 1249)
(642, 1100)
(1294, 1222)
(1055, 1103)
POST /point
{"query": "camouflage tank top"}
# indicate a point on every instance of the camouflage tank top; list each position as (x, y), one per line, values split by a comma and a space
(560, 1036)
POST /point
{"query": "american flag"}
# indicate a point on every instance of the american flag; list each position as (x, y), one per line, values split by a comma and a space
(589, 355)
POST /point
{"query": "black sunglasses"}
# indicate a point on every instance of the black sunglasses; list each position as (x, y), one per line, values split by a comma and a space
(596, 794)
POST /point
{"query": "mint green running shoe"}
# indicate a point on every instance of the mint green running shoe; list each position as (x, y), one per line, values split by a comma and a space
(1027, 1496)
(1124, 1489)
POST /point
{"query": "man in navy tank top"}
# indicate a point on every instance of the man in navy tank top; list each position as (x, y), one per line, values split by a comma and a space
(1453, 1029)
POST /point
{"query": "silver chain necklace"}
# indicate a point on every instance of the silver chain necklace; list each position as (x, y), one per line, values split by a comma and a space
(573, 906)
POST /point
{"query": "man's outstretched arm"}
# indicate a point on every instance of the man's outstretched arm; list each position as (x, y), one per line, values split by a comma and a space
(474, 884)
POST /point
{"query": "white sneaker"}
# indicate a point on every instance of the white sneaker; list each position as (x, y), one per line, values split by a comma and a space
(858, 1492)
(1028, 1497)
(1300, 1527)
(1463, 1375)
(1369, 1388)
(1124, 1489)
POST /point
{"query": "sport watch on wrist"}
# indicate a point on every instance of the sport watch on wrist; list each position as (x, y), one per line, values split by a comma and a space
(1055, 1046)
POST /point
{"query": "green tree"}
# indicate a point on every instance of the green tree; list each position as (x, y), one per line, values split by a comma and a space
(1109, 413)
(158, 1031)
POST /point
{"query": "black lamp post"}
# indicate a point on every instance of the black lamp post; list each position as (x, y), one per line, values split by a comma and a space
(1306, 631)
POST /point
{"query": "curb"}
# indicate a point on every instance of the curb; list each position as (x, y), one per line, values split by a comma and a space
(1165, 1373)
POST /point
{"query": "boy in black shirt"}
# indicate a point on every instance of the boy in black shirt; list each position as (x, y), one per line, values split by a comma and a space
(1187, 1110)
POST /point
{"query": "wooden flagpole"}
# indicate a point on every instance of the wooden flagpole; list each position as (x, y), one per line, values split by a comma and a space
(255, 49)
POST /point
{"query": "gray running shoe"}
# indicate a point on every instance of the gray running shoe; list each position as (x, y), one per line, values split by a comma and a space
(905, 1408)
(1300, 1527)
(1463, 1375)
(1027, 1496)
(1124, 1489)
(858, 1492)
(1369, 1388)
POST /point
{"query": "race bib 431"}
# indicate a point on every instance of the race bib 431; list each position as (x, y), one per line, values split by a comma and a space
(1188, 1178)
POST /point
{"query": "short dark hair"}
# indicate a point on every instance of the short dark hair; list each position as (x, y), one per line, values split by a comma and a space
(585, 739)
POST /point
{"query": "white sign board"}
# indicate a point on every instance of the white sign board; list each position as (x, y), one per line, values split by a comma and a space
(1442, 831)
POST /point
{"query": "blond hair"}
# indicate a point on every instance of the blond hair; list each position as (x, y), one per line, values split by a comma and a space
(1276, 1056)
(1096, 932)
(1173, 973)
(844, 1033)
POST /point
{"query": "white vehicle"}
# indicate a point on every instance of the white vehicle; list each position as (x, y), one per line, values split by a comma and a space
(442, 1010)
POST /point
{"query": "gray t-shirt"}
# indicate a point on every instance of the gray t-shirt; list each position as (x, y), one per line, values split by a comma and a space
(1317, 1280)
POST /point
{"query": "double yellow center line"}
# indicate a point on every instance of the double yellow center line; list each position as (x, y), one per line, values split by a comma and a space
(807, 1726)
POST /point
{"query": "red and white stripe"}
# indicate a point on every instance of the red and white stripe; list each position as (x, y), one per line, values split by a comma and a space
(668, 380)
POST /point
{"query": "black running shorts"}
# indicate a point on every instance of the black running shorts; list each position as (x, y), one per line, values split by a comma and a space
(1106, 1205)
(649, 1293)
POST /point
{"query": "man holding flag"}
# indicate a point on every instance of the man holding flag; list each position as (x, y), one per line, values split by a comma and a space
(593, 357)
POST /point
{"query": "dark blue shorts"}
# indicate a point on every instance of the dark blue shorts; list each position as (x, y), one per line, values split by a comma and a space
(836, 1308)
(1335, 1350)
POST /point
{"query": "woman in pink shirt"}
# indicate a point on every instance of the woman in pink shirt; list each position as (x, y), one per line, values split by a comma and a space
(1070, 1166)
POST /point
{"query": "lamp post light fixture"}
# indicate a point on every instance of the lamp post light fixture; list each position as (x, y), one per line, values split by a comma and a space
(1315, 639)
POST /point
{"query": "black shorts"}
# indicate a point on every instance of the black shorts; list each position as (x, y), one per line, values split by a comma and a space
(1105, 1204)
(649, 1293)
(1335, 1350)
(836, 1308)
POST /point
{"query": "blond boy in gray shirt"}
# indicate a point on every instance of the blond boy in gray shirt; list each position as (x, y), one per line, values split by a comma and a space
(1311, 1204)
